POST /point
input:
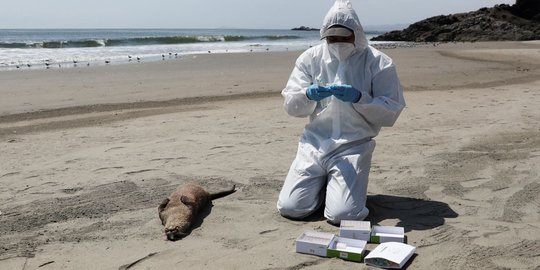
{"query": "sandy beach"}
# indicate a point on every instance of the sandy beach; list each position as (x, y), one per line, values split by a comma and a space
(88, 153)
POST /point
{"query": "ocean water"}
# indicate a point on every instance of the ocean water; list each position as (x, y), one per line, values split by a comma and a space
(62, 48)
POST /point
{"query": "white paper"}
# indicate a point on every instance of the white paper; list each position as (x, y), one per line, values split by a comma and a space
(355, 229)
(389, 230)
(380, 234)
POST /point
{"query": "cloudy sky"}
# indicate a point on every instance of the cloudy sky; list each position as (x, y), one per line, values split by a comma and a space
(267, 14)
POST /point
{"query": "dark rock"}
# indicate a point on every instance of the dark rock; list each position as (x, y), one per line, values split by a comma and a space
(501, 22)
(528, 9)
(304, 28)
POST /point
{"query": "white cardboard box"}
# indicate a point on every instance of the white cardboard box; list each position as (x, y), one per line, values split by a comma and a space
(347, 249)
(383, 234)
(355, 229)
(315, 243)
(390, 255)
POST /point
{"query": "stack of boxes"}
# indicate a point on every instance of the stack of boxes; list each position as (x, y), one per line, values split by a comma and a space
(352, 240)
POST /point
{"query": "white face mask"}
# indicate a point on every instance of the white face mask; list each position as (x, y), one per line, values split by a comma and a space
(341, 50)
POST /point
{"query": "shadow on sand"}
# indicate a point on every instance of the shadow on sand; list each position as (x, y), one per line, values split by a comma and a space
(413, 214)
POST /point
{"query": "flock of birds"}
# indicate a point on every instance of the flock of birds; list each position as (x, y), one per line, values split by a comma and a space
(49, 64)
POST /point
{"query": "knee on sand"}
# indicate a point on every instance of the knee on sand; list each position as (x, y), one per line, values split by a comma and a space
(334, 214)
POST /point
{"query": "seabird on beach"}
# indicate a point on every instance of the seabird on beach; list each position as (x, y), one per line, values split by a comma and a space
(138, 59)
(107, 62)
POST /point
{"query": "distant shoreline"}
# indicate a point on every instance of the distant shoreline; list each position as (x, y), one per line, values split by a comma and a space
(59, 48)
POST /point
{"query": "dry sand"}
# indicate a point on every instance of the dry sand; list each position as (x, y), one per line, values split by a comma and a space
(88, 154)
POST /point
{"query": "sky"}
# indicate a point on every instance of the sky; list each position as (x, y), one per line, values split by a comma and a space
(254, 14)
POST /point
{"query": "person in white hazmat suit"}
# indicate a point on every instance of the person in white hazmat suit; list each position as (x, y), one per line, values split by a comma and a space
(349, 90)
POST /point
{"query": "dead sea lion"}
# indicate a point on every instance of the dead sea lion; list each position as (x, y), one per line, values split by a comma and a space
(179, 210)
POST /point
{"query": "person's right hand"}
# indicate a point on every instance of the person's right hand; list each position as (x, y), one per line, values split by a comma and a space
(316, 92)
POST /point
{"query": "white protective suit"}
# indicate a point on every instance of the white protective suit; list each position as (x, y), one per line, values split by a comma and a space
(334, 153)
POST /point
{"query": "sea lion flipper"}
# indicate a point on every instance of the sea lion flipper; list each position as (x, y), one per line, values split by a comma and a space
(187, 201)
(224, 193)
(162, 207)
(163, 204)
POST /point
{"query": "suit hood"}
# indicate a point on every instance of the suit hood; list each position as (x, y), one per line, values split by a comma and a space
(342, 13)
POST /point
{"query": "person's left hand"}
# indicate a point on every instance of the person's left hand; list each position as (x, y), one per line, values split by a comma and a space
(317, 93)
(345, 92)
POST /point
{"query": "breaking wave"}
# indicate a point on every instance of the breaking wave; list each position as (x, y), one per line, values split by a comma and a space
(138, 41)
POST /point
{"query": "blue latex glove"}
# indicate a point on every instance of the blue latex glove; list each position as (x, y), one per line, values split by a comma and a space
(345, 93)
(316, 92)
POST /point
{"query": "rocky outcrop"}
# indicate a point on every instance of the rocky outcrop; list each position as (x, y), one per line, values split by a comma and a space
(520, 21)
(304, 28)
(528, 9)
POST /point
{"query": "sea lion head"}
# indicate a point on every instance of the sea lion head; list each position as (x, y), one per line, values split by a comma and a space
(178, 219)
(176, 230)
(177, 213)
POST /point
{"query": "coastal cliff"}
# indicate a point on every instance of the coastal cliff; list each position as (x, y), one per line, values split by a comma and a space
(520, 21)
